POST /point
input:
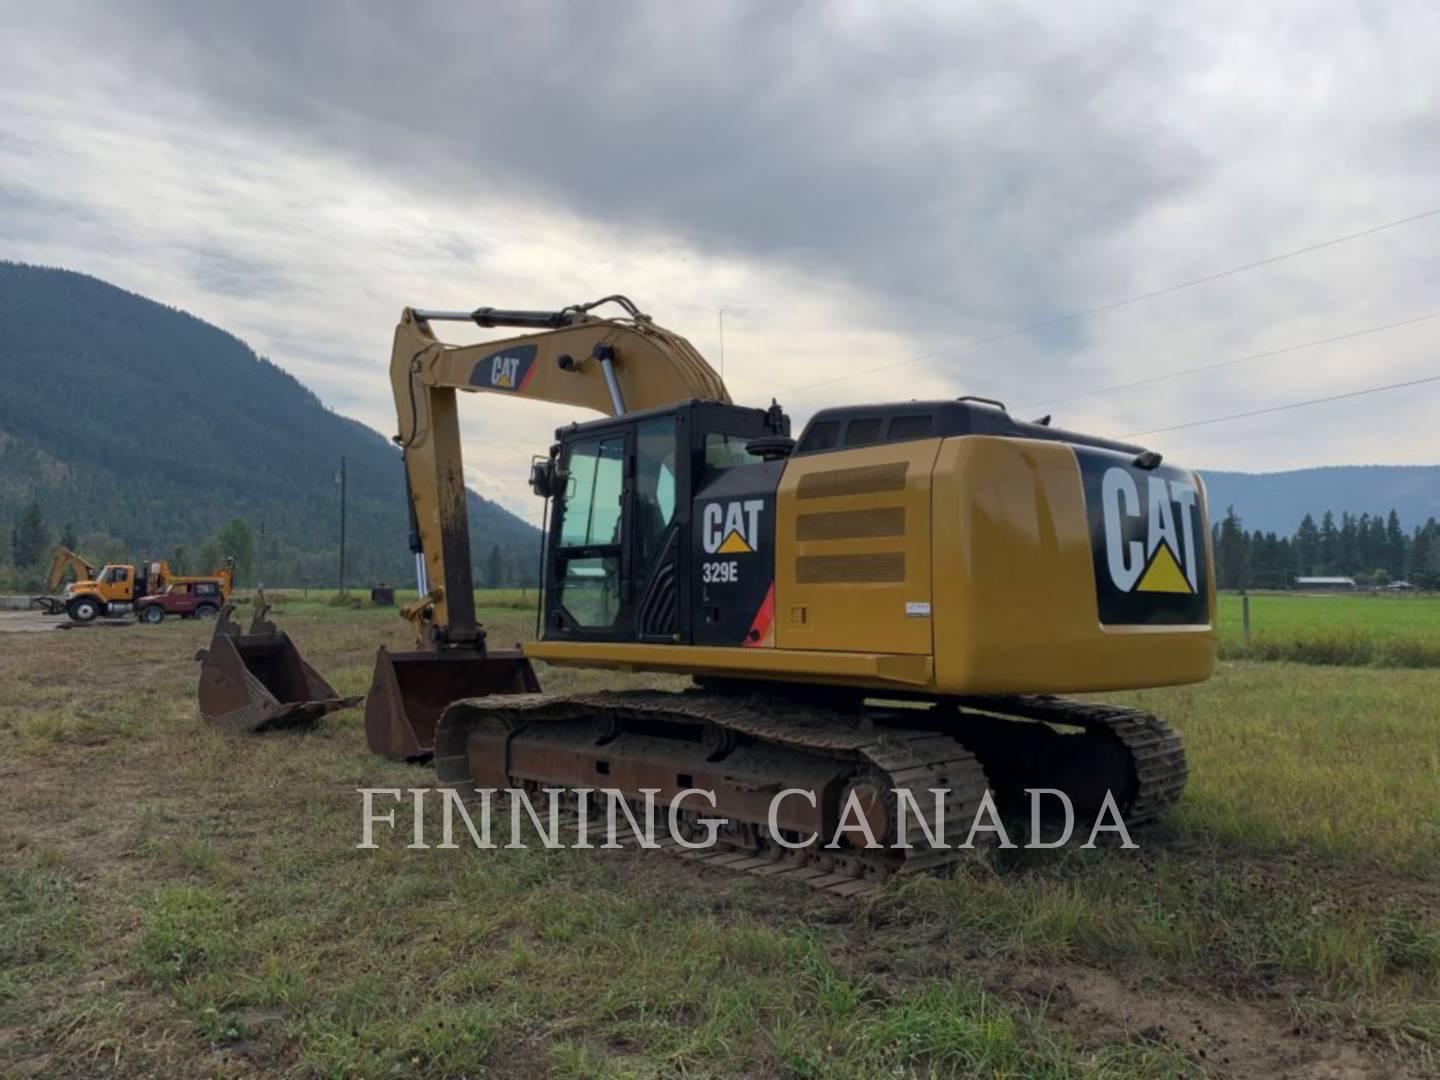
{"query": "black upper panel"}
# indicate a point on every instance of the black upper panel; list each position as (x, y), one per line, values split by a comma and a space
(851, 426)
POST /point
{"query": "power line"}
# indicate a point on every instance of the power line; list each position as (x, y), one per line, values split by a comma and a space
(1230, 363)
(1058, 319)
(1283, 408)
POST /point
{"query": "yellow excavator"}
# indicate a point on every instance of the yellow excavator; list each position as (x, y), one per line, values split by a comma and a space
(63, 561)
(890, 603)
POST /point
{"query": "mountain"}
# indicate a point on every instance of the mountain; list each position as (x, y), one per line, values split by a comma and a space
(145, 427)
(125, 417)
(1277, 501)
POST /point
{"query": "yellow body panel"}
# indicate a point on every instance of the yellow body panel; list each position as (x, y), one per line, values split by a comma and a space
(1015, 608)
(853, 549)
(992, 533)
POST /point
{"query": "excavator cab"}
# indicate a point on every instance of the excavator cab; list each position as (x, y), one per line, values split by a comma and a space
(622, 541)
(647, 505)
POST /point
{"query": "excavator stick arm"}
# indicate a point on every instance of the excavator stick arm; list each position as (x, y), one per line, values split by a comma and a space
(609, 365)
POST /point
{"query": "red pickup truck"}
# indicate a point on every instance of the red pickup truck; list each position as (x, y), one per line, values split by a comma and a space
(190, 600)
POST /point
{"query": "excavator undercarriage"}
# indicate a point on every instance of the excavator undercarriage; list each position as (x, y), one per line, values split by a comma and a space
(746, 748)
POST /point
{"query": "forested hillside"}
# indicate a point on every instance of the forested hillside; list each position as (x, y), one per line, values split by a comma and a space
(1275, 502)
(142, 428)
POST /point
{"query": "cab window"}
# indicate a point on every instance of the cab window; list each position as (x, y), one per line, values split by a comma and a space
(727, 451)
(590, 518)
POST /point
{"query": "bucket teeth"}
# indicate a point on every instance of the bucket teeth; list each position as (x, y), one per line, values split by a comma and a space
(258, 680)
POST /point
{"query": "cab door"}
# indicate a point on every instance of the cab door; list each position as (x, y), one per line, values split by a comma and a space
(614, 547)
(587, 554)
(116, 584)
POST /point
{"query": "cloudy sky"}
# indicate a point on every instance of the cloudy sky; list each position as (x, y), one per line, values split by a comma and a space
(863, 189)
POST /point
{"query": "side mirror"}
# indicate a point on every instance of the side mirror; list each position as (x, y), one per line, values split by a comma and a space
(546, 480)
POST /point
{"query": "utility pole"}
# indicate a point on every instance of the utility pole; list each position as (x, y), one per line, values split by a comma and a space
(342, 525)
(260, 564)
(722, 343)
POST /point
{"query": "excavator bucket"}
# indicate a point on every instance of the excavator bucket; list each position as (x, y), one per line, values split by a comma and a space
(410, 690)
(256, 680)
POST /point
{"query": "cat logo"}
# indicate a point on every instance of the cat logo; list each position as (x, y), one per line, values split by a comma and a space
(503, 370)
(731, 528)
(509, 369)
(1149, 541)
(1164, 561)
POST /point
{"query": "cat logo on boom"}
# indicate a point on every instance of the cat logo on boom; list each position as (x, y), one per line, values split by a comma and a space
(731, 528)
(1148, 536)
(509, 369)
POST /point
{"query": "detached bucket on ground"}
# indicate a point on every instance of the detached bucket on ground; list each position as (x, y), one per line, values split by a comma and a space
(410, 690)
(257, 680)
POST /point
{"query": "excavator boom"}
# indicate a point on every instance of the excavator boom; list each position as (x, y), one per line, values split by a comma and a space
(611, 366)
(64, 559)
(61, 561)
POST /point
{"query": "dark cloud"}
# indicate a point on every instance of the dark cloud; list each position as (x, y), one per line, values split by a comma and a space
(854, 184)
(225, 273)
(948, 162)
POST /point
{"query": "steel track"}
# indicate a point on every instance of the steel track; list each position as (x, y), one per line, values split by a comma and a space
(916, 759)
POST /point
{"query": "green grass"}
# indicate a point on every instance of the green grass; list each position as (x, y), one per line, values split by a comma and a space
(176, 901)
(1344, 629)
(1342, 761)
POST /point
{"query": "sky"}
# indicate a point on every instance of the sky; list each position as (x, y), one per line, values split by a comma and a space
(863, 189)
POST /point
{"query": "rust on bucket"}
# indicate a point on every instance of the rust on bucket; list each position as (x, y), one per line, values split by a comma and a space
(257, 680)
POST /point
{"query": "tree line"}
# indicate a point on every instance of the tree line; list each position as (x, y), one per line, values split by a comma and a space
(275, 563)
(1373, 549)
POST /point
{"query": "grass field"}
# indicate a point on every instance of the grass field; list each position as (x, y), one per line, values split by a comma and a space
(1349, 629)
(1356, 629)
(174, 901)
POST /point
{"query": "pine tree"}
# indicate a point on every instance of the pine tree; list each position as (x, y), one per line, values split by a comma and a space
(1394, 546)
(1422, 567)
(494, 567)
(1307, 546)
(68, 537)
(28, 538)
(1327, 555)
(1348, 555)
(1232, 555)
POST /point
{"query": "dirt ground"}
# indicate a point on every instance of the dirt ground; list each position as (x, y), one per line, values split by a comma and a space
(177, 901)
